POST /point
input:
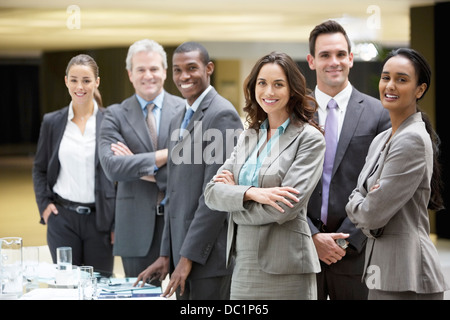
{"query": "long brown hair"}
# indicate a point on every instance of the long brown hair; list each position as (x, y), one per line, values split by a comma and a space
(86, 60)
(301, 106)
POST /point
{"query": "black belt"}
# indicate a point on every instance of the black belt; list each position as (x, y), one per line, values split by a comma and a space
(320, 225)
(80, 208)
(159, 210)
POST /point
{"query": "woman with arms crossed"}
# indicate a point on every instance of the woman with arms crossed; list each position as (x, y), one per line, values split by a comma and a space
(266, 184)
(397, 185)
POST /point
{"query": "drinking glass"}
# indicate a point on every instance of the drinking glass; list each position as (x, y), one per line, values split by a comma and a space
(11, 267)
(30, 267)
(87, 283)
(64, 274)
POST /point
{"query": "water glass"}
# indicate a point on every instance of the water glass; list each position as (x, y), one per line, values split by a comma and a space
(30, 267)
(87, 283)
(11, 277)
(64, 274)
(64, 258)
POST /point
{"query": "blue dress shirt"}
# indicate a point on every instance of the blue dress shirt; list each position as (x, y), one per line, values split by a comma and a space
(158, 101)
(249, 174)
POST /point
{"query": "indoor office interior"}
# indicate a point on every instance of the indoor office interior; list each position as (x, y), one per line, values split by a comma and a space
(38, 39)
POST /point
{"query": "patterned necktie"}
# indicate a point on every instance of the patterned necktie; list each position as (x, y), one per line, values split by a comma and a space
(151, 122)
(331, 140)
(187, 117)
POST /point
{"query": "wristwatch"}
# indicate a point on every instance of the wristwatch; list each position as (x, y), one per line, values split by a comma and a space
(342, 243)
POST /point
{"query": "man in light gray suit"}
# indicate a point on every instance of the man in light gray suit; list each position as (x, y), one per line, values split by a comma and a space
(194, 239)
(130, 157)
(359, 119)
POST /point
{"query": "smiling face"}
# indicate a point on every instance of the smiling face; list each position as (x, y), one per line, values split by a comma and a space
(332, 62)
(398, 86)
(147, 74)
(272, 92)
(81, 83)
(191, 75)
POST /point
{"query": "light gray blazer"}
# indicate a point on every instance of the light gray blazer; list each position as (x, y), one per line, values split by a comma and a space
(136, 198)
(399, 251)
(285, 243)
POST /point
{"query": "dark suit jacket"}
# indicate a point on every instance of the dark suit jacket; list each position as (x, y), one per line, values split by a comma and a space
(364, 119)
(46, 169)
(191, 229)
(136, 199)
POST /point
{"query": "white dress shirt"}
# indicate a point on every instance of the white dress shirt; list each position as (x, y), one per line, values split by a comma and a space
(199, 100)
(76, 179)
(341, 99)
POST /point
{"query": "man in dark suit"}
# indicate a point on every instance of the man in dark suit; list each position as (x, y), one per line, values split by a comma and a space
(194, 240)
(138, 164)
(359, 119)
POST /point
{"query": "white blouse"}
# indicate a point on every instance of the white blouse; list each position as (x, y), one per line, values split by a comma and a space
(76, 179)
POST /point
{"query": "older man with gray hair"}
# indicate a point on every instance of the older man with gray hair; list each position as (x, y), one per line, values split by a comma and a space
(133, 152)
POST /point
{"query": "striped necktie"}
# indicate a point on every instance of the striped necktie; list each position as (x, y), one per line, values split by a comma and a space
(151, 123)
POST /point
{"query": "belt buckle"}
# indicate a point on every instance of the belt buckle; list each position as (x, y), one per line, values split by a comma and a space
(83, 210)
(159, 210)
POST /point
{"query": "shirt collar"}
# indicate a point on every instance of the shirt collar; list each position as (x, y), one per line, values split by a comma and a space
(281, 129)
(71, 114)
(199, 99)
(341, 98)
(158, 101)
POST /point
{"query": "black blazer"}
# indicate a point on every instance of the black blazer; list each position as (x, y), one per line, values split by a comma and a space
(46, 169)
(364, 119)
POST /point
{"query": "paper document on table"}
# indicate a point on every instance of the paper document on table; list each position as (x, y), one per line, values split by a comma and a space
(126, 284)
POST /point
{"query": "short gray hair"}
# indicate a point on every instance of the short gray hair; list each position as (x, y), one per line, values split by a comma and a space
(147, 46)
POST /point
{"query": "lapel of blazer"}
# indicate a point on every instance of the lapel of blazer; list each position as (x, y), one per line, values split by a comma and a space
(168, 111)
(250, 142)
(352, 116)
(99, 118)
(135, 119)
(59, 126)
(285, 140)
(380, 151)
(374, 159)
(197, 116)
(199, 113)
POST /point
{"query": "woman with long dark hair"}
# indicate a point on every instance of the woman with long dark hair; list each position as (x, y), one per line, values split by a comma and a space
(398, 184)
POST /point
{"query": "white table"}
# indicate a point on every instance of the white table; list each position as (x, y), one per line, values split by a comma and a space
(114, 288)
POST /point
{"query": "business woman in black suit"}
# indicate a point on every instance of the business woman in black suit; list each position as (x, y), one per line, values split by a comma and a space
(74, 197)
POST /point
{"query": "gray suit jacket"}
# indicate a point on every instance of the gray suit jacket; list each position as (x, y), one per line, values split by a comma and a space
(191, 229)
(285, 244)
(364, 119)
(395, 216)
(136, 198)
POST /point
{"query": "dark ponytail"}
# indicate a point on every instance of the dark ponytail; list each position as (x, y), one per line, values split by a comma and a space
(436, 202)
(423, 72)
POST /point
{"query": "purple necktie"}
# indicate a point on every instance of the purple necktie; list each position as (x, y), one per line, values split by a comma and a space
(331, 140)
